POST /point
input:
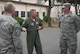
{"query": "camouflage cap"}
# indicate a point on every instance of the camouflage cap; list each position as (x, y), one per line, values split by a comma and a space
(66, 5)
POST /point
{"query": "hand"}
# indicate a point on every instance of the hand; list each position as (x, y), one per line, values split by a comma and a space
(39, 28)
(24, 29)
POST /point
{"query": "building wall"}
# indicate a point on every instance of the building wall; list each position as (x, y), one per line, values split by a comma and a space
(1, 7)
(19, 8)
(38, 9)
(29, 1)
(16, 0)
(26, 8)
(35, 1)
(55, 11)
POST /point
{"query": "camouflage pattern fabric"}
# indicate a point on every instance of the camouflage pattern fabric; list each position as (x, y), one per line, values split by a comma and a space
(10, 30)
(69, 26)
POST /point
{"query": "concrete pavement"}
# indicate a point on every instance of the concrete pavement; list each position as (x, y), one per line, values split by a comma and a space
(50, 41)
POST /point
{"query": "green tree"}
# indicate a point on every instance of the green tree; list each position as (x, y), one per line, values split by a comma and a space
(20, 20)
(51, 4)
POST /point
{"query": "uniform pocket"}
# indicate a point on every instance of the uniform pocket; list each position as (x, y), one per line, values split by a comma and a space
(69, 20)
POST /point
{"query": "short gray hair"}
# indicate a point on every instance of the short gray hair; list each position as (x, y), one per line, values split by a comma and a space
(8, 6)
(32, 10)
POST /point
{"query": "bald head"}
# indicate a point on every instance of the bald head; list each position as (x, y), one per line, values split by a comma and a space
(9, 6)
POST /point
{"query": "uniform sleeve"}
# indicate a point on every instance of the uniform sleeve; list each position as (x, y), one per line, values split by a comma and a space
(40, 24)
(59, 17)
(77, 23)
(59, 22)
(25, 24)
(16, 39)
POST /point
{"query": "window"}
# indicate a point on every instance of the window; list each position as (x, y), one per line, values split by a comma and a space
(37, 14)
(43, 14)
(28, 14)
(16, 13)
(22, 13)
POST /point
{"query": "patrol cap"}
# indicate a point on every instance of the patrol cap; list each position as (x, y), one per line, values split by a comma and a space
(66, 5)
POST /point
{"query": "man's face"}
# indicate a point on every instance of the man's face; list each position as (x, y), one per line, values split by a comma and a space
(33, 14)
(65, 9)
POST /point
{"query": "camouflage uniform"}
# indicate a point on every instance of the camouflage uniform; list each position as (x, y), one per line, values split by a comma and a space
(33, 38)
(69, 26)
(10, 31)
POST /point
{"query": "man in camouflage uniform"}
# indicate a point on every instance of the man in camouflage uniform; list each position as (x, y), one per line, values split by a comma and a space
(33, 25)
(69, 25)
(10, 30)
